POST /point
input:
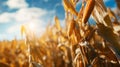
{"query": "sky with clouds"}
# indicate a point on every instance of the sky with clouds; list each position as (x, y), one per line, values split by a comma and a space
(14, 13)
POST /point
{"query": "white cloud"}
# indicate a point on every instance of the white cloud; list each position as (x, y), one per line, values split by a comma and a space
(13, 29)
(2, 36)
(29, 14)
(25, 16)
(6, 17)
(16, 4)
(37, 27)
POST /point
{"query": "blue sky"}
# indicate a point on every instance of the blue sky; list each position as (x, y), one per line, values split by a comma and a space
(14, 13)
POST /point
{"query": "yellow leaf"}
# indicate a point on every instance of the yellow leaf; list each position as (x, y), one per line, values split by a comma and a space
(69, 7)
(23, 30)
(57, 23)
(71, 27)
(88, 10)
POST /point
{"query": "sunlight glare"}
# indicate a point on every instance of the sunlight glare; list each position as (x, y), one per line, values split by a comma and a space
(32, 27)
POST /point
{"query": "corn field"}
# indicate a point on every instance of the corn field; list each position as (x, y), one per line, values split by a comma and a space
(77, 44)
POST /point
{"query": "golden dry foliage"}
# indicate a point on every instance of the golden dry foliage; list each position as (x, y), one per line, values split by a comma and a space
(69, 7)
(57, 23)
(88, 10)
(79, 44)
(71, 27)
(23, 30)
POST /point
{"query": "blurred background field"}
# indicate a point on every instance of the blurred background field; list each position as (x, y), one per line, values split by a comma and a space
(59, 33)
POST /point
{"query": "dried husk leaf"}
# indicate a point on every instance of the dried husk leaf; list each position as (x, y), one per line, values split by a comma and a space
(77, 33)
(118, 3)
(112, 16)
(36, 64)
(108, 21)
(73, 2)
(100, 13)
(80, 14)
(71, 27)
(69, 7)
(116, 28)
(88, 10)
(108, 34)
(57, 23)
